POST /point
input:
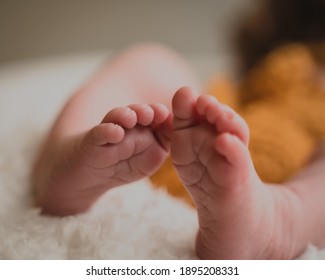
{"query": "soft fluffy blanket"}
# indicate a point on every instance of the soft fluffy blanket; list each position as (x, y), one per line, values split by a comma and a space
(131, 222)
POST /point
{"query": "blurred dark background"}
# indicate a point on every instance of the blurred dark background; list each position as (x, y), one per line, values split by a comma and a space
(37, 28)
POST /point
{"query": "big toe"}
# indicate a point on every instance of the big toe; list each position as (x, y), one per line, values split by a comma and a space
(183, 106)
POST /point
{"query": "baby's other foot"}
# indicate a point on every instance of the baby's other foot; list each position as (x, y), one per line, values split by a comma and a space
(129, 144)
(240, 217)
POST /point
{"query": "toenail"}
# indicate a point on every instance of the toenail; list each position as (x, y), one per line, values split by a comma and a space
(213, 99)
(229, 116)
(148, 108)
(130, 111)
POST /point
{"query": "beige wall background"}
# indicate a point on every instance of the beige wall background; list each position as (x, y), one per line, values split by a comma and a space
(33, 28)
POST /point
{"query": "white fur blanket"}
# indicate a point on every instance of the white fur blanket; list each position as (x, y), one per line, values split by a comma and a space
(131, 222)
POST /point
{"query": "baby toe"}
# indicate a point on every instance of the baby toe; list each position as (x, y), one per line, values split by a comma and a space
(161, 113)
(145, 113)
(123, 116)
(183, 106)
(105, 133)
(233, 150)
(231, 122)
(204, 102)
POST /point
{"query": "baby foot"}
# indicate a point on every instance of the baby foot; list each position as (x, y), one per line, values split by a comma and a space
(239, 216)
(129, 144)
